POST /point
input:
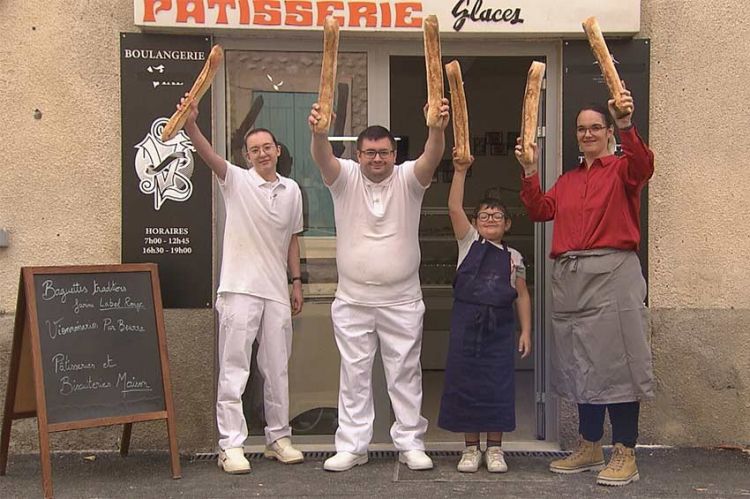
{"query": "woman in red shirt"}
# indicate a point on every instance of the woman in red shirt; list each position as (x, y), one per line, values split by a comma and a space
(601, 359)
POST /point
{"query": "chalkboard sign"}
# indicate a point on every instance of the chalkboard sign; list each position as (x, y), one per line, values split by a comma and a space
(89, 349)
(100, 351)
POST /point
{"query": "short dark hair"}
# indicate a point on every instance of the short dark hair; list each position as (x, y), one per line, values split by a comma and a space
(597, 108)
(375, 132)
(491, 199)
(254, 131)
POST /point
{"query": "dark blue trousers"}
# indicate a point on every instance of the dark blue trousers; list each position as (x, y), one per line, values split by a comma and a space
(623, 418)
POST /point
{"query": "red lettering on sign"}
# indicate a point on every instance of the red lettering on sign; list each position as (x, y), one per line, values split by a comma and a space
(150, 10)
(187, 9)
(363, 10)
(385, 15)
(327, 9)
(267, 12)
(221, 18)
(298, 13)
(404, 13)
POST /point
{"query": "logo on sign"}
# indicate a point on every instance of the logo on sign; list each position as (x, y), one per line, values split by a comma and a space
(165, 168)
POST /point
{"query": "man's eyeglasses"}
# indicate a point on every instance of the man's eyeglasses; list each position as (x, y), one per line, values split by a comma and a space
(498, 216)
(581, 130)
(371, 153)
(267, 148)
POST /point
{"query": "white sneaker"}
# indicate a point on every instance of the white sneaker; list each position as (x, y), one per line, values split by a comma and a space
(415, 460)
(471, 458)
(343, 461)
(496, 460)
(233, 461)
(282, 451)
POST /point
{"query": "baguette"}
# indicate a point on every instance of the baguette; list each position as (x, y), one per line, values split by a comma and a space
(328, 73)
(530, 113)
(201, 85)
(606, 64)
(434, 66)
(460, 114)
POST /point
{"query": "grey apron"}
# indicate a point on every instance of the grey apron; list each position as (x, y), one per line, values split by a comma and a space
(600, 353)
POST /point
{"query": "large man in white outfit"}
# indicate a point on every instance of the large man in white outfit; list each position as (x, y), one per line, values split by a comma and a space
(264, 216)
(379, 299)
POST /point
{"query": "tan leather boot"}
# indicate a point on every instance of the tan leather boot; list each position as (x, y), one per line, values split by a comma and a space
(588, 456)
(621, 469)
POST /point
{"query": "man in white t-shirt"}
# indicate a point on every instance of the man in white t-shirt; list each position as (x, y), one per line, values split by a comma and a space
(263, 218)
(379, 299)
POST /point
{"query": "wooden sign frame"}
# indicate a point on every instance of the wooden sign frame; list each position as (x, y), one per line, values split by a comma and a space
(25, 396)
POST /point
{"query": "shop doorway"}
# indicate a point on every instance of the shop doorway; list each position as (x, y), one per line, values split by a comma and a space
(385, 84)
(494, 88)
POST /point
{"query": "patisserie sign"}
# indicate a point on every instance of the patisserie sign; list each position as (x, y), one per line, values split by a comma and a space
(543, 17)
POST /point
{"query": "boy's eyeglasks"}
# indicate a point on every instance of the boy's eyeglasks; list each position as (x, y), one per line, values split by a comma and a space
(370, 153)
(498, 216)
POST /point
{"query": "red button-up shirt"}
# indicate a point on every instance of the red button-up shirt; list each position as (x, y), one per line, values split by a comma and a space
(596, 207)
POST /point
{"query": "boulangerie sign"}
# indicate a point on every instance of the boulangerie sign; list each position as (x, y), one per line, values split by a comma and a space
(538, 17)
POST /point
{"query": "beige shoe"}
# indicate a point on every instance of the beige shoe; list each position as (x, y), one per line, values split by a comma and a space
(471, 458)
(588, 456)
(282, 451)
(233, 461)
(621, 469)
(495, 458)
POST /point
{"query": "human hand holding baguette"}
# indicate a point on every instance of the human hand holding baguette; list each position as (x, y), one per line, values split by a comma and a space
(626, 106)
(443, 115)
(461, 163)
(529, 164)
(191, 113)
(200, 87)
(313, 120)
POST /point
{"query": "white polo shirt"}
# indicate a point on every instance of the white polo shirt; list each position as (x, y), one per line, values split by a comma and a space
(377, 235)
(261, 218)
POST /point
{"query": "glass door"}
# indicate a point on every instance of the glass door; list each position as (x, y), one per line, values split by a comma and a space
(275, 90)
(494, 88)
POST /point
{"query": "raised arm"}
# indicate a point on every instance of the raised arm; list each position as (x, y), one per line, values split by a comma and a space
(428, 162)
(295, 272)
(540, 206)
(321, 150)
(639, 158)
(201, 144)
(459, 220)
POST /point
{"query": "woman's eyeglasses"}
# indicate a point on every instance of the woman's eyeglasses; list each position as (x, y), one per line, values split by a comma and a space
(581, 130)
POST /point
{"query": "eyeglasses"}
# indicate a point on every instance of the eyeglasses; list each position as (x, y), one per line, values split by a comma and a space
(371, 153)
(267, 149)
(498, 216)
(581, 130)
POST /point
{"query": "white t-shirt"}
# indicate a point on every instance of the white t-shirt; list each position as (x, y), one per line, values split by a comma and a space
(517, 267)
(377, 235)
(261, 218)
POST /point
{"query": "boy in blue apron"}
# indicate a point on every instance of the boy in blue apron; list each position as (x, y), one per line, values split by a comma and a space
(479, 390)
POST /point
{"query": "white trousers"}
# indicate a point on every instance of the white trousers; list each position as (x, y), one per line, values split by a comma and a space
(242, 318)
(358, 330)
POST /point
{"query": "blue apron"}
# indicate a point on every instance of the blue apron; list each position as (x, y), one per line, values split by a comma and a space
(479, 390)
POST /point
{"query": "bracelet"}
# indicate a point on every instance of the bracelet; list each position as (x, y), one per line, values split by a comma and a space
(296, 278)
